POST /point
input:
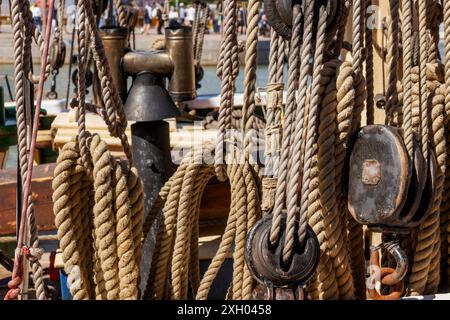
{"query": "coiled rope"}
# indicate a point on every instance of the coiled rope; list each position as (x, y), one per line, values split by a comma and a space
(100, 238)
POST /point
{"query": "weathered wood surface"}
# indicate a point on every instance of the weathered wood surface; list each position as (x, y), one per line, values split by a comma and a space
(42, 196)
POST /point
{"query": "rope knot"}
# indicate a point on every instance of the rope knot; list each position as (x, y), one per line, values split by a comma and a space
(32, 254)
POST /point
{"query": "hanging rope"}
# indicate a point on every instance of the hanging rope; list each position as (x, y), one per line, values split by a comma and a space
(100, 238)
(407, 65)
(22, 45)
(423, 59)
(369, 68)
(180, 200)
(392, 57)
(226, 70)
(446, 203)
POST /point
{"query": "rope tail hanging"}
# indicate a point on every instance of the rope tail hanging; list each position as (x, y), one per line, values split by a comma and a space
(177, 235)
(23, 30)
(319, 118)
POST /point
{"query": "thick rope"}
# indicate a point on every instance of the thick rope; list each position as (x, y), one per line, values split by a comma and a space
(422, 264)
(438, 141)
(392, 57)
(423, 59)
(114, 215)
(296, 148)
(121, 13)
(446, 255)
(227, 80)
(369, 68)
(68, 218)
(407, 66)
(175, 241)
(293, 71)
(248, 107)
(22, 33)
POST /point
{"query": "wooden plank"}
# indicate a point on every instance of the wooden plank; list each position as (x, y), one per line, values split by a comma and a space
(3, 158)
(42, 195)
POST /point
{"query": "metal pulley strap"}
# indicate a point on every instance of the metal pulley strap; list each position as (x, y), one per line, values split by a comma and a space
(52, 94)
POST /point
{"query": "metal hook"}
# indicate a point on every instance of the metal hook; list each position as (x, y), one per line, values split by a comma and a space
(378, 274)
(394, 249)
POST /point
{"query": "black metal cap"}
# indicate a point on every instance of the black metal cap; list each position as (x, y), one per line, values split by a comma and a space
(148, 100)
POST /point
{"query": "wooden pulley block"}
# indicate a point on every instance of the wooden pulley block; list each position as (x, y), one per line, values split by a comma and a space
(428, 195)
(279, 14)
(57, 54)
(386, 190)
(378, 175)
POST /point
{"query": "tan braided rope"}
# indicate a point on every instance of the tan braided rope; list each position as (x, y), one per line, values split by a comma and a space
(407, 65)
(355, 240)
(248, 107)
(426, 236)
(328, 194)
(22, 67)
(446, 202)
(355, 231)
(323, 285)
(392, 57)
(114, 215)
(180, 216)
(65, 208)
(128, 269)
(302, 116)
(293, 70)
(226, 93)
(423, 59)
(369, 67)
(121, 13)
(438, 142)
(104, 232)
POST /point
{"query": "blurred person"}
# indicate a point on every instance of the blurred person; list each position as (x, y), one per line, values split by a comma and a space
(263, 25)
(209, 15)
(159, 12)
(190, 14)
(242, 20)
(36, 13)
(216, 20)
(147, 18)
(173, 15)
(181, 13)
